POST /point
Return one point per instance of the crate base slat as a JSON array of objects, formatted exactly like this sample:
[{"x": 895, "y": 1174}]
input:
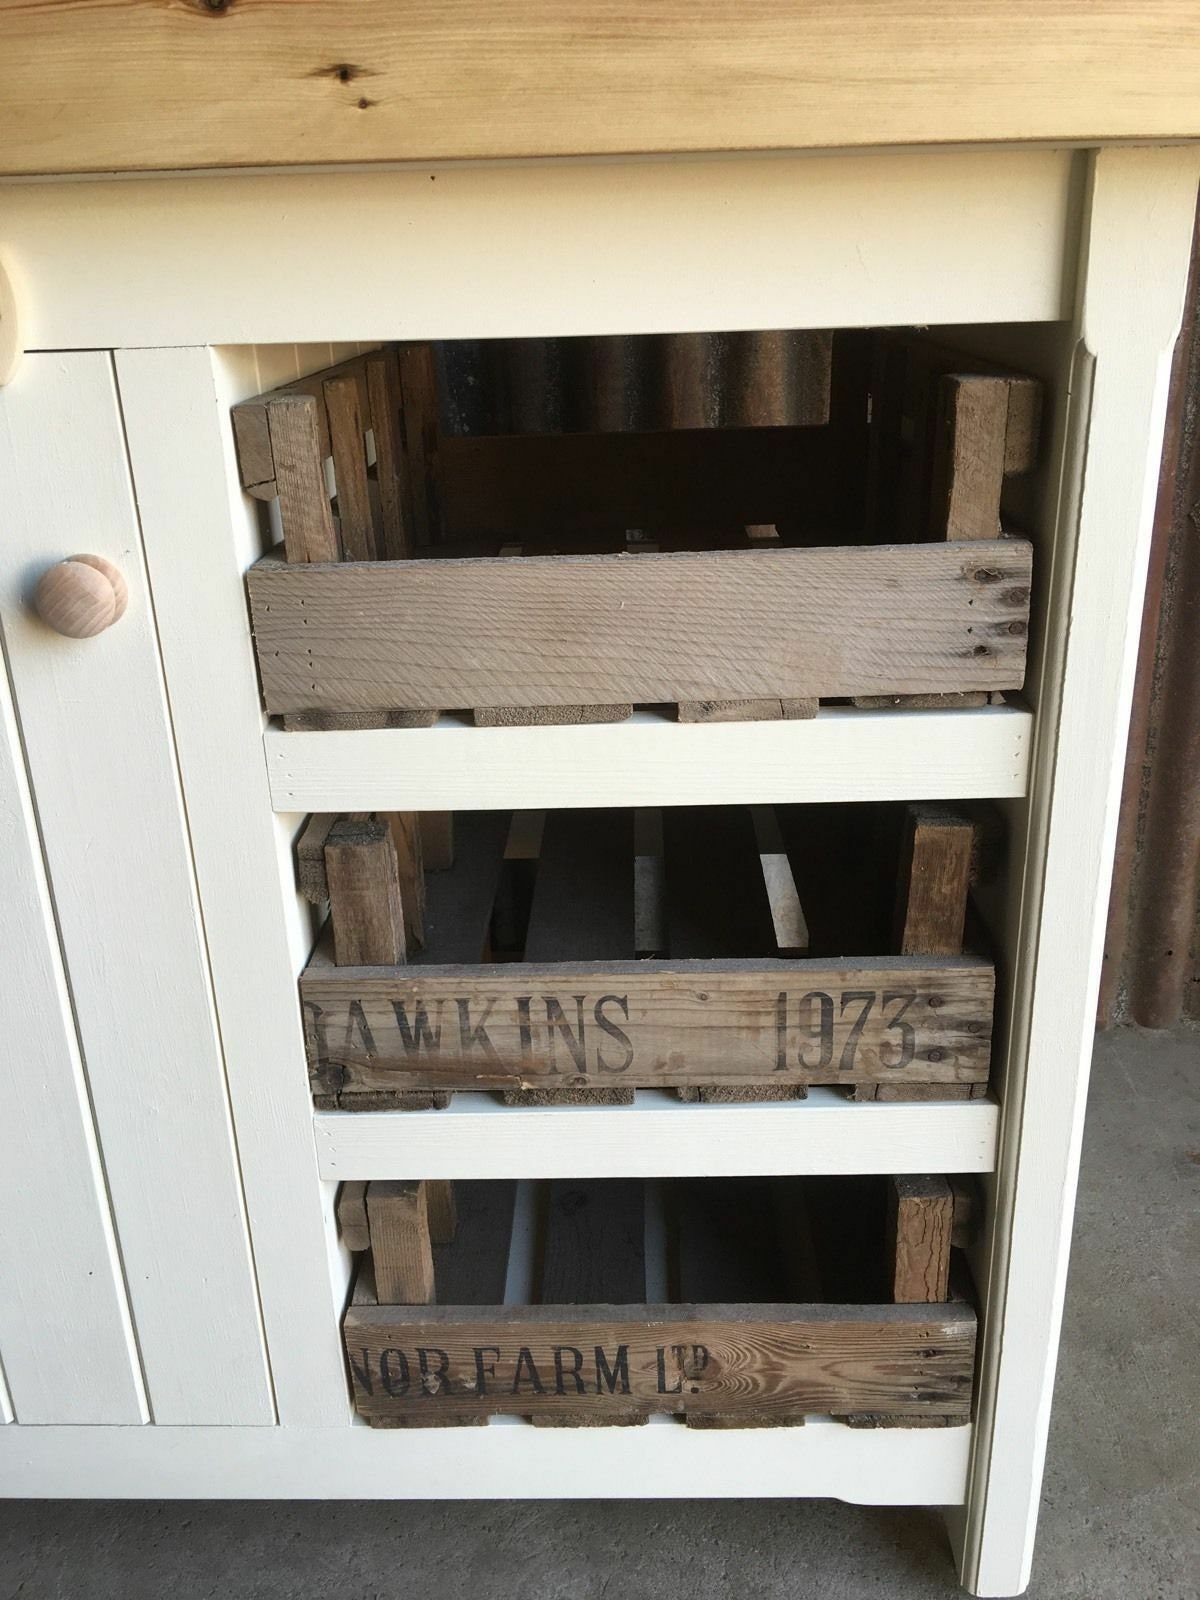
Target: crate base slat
[{"x": 707, "y": 1095}]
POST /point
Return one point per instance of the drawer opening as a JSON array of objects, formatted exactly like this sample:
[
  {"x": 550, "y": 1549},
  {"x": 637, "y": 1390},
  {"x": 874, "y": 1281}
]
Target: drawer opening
[
  {"x": 721, "y": 1302},
  {"x": 735, "y": 525},
  {"x": 726, "y": 953}
]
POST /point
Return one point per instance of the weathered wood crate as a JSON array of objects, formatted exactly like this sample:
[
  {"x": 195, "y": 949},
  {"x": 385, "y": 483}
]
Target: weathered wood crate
[
  {"x": 738, "y": 1302},
  {"x": 728, "y": 572},
  {"x": 724, "y": 953}
]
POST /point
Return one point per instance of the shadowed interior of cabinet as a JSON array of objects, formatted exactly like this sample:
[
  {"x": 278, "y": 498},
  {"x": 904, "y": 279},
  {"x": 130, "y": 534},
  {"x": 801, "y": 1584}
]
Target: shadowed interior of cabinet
[
  {"x": 684, "y": 882},
  {"x": 630, "y": 1241}
]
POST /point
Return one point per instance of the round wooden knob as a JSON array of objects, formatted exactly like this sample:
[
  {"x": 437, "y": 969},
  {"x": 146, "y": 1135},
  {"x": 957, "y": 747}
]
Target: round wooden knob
[{"x": 81, "y": 596}]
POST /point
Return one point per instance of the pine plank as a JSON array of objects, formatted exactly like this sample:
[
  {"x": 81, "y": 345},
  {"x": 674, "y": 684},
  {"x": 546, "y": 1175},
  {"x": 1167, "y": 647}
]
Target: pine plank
[{"x": 173, "y": 88}]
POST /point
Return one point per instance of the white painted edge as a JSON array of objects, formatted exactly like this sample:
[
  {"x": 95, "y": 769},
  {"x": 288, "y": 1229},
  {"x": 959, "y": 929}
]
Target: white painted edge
[
  {"x": 11, "y": 348},
  {"x": 1138, "y": 230},
  {"x": 565, "y": 248},
  {"x": 658, "y": 1136},
  {"x": 651, "y": 760},
  {"x": 664, "y": 1460}
]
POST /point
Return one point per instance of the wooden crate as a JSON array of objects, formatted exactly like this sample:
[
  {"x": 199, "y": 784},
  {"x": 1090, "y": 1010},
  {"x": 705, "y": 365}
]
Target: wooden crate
[
  {"x": 723, "y": 953},
  {"x": 736, "y": 1302},
  {"x": 744, "y": 572}
]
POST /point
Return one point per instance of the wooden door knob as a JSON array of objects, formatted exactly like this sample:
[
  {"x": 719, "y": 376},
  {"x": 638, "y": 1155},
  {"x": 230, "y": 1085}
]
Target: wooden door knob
[{"x": 81, "y": 596}]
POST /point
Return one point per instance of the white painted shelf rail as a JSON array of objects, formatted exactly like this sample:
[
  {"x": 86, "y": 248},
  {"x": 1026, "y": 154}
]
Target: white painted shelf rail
[
  {"x": 651, "y": 760},
  {"x": 658, "y": 1136},
  {"x": 871, "y": 1466}
]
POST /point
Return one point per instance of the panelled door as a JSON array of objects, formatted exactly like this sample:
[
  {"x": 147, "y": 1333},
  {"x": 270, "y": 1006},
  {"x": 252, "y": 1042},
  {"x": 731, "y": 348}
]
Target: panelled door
[{"x": 129, "y": 1292}]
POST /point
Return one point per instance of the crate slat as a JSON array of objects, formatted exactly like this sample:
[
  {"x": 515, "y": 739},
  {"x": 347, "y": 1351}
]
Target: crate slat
[
  {"x": 722, "y": 625},
  {"x": 660, "y": 1024},
  {"x": 344, "y": 398},
  {"x": 305, "y": 514},
  {"x": 383, "y": 392},
  {"x": 756, "y": 1360}
]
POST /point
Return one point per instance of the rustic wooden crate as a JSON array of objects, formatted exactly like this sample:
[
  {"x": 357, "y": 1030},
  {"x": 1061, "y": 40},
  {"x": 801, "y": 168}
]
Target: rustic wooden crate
[
  {"x": 656, "y": 950},
  {"x": 775, "y": 566},
  {"x": 736, "y": 1302}
]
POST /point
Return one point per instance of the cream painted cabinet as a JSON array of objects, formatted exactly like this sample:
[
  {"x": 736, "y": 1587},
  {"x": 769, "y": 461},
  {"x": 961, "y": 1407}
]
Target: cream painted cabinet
[{"x": 172, "y": 1277}]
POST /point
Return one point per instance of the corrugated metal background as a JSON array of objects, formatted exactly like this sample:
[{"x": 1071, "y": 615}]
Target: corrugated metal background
[
  {"x": 1152, "y": 952},
  {"x": 637, "y": 383}
]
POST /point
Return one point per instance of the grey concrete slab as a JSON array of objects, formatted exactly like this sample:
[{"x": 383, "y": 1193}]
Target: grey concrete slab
[{"x": 1121, "y": 1518}]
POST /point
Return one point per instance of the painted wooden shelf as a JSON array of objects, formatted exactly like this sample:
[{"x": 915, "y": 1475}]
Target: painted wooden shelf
[
  {"x": 868, "y": 1466},
  {"x": 650, "y": 760},
  {"x": 658, "y": 1136}
]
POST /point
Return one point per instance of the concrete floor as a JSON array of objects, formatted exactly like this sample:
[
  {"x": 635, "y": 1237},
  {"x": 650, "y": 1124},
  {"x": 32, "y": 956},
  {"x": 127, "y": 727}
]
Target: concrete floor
[{"x": 1121, "y": 1512}]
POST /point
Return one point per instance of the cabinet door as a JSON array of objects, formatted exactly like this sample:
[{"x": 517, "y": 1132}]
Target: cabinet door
[
  {"x": 66, "y": 1341},
  {"x": 96, "y": 732}
]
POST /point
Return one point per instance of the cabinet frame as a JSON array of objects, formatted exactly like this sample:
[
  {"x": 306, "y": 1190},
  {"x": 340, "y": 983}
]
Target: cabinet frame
[{"x": 949, "y": 238}]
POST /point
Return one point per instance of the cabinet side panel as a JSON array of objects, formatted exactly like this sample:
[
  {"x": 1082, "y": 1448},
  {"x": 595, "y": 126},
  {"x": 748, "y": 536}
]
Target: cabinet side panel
[{"x": 1137, "y": 235}]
